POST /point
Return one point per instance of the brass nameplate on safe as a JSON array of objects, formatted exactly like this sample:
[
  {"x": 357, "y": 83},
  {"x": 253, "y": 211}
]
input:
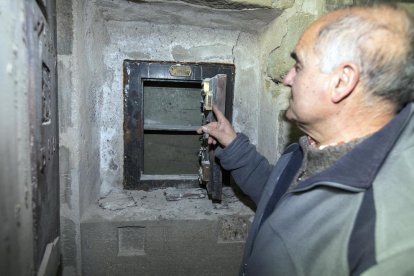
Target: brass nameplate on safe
[{"x": 180, "y": 70}]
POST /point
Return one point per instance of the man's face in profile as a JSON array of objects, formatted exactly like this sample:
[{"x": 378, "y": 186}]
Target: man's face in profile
[{"x": 310, "y": 99}]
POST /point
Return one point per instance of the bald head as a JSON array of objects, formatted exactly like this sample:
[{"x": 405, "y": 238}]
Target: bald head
[{"x": 378, "y": 40}]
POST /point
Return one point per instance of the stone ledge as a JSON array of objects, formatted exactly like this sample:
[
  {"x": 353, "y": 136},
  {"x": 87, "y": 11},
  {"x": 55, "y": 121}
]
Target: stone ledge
[
  {"x": 130, "y": 205},
  {"x": 143, "y": 233}
]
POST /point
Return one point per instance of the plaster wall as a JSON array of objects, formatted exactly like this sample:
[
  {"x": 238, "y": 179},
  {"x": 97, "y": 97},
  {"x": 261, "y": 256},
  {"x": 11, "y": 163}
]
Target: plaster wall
[
  {"x": 79, "y": 133},
  {"x": 16, "y": 231},
  {"x": 136, "y": 40},
  {"x": 107, "y": 32}
]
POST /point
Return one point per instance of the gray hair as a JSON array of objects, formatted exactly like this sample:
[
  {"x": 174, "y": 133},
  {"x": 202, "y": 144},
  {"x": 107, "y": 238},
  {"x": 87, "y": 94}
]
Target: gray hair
[{"x": 386, "y": 71}]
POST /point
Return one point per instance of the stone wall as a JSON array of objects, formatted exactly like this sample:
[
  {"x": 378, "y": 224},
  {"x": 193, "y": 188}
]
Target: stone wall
[{"x": 276, "y": 42}]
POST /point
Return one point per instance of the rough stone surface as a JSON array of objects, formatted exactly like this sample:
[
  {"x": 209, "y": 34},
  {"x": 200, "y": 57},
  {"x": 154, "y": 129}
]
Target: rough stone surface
[
  {"x": 283, "y": 4},
  {"x": 68, "y": 240},
  {"x": 335, "y": 4},
  {"x": 65, "y": 26},
  {"x": 408, "y": 7},
  {"x": 170, "y": 247},
  {"x": 277, "y": 42},
  {"x": 223, "y": 4},
  {"x": 138, "y": 232},
  {"x": 279, "y": 60},
  {"x": 130, "y": 205},
  {"x": 65, "y": 99},
  {"x": 65, "y": 177},
  {"x": 251, "y": 20}
]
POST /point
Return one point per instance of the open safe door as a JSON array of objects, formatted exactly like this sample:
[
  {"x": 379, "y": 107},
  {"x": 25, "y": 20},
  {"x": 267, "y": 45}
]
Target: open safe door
[
  {"x": 213, "y": 93},
  {"x": 161, "y": 117}
]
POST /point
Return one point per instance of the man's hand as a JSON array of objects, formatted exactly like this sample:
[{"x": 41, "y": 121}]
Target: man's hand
[{"x": 221, "y": 132}]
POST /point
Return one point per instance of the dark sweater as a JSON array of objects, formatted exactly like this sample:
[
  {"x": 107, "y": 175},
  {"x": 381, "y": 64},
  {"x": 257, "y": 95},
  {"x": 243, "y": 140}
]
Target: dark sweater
[{"x": 316, "y": 160}]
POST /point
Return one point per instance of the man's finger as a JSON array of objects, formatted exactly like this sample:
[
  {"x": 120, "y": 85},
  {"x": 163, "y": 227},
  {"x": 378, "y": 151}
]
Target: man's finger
[
  {"x": 218, "y": 113},
  {"x": 209, "y": 128},
  {"x": 204, "y": 129}
]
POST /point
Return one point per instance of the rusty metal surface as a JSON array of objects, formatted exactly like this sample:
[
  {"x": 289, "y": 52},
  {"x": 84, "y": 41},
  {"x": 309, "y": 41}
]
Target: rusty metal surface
[
  {"x": 135, "y": 74},
  {"x": 210, "y": 173}
]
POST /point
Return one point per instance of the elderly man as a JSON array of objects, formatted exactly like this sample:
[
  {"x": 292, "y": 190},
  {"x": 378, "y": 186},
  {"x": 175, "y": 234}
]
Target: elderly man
[{"x": 341, "y": 201}]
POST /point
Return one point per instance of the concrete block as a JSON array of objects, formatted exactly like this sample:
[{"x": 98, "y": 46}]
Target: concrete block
[
  {"x": 161, "y": 237},
  {"x": 65, "y": 88},
  {"x": 172, "y": 247},
  {"x": 65, "y": 177},
  {"x": 131, "y": 241},
  {"x": 68, "y": 242},
  {"x": 64, "y": 20}
]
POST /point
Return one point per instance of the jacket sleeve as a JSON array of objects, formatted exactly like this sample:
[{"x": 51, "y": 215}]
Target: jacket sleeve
[
  {"x": 397, "y": 264},
  {"x": 249, "y": 169}
]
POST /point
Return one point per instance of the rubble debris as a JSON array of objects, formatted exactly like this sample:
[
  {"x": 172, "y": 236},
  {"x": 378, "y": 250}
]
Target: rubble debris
[
  {"x": 174, "y": 194},
  {"x": 116, "y": 200},
  {"x": 221, "y": 206}
]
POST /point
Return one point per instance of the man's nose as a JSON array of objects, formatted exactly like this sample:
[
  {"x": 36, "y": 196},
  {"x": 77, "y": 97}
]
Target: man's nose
[{"x": 288, "y": 79}]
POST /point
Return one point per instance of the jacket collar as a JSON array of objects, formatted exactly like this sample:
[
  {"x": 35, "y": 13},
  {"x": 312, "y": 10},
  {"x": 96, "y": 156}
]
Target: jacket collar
[{"x": 356, "y": 170}]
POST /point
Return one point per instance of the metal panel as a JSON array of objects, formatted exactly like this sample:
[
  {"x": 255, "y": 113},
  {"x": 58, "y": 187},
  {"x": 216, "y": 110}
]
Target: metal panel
[
  {"x": 136, "y": 73},
  {"x": 170, "y": 153},
  {"x": 177, "y": 106},
  {"x": 214, "y": 92},
  {"x": 43, "y": 125}
]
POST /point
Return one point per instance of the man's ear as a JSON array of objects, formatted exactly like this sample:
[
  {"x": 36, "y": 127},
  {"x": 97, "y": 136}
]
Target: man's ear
[{"x": 344, "y": 82}]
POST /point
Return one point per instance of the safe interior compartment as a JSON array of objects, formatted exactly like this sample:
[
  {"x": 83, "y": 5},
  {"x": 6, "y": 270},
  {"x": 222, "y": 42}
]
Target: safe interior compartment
[{"x": 161, "y": 115}]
